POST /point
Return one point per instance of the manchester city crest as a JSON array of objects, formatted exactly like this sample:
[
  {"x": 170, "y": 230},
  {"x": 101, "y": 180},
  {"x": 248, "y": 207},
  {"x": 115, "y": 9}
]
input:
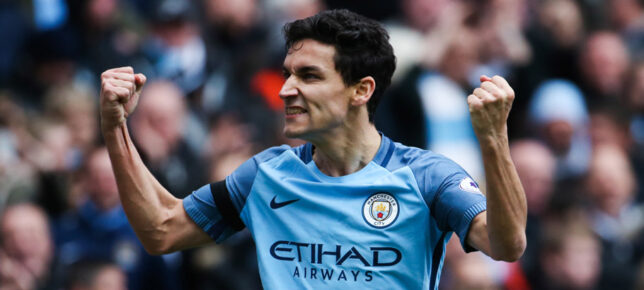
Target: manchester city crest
[{"x": 380, "y": 210}]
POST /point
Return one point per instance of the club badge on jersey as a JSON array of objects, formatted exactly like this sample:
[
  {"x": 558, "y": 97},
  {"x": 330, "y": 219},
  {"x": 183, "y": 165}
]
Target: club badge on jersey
[{"x": 380, "y": 210}]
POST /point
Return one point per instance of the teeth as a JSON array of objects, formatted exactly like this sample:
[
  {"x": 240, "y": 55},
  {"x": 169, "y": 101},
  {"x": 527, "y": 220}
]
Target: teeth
[{"x": 292, "y": 110}]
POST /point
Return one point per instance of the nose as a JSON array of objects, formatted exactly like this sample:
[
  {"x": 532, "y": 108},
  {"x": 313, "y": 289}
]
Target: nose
[{"x": 288, "y": 89}]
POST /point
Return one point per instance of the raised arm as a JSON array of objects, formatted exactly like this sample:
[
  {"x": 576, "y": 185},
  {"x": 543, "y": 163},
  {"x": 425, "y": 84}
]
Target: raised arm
[
  {"x": 500, "y": 231},
  {"x": 158, "y": 218}
]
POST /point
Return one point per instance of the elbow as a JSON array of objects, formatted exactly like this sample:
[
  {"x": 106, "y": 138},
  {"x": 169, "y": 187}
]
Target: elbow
[
  {"x": 510, "y": 256},
  {"x": 158, "y": 247},
  {"x": 156, "y": 250},
  {"x": 157, "y": 241},
  {"x": 512, "y": 251},
  {"x": 159, "y": 234},
  {"x": 153, "y": 251}
]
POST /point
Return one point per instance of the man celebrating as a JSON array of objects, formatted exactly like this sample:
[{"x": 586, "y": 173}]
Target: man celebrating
[{"x": 351, "y": 208}]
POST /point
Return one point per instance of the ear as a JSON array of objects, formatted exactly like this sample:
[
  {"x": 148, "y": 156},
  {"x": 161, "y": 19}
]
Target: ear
[{"x": 363, "y": 91}]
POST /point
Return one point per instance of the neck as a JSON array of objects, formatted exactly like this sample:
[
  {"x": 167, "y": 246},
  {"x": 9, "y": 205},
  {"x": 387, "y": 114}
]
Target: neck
[{"x": 346, "y": 150}]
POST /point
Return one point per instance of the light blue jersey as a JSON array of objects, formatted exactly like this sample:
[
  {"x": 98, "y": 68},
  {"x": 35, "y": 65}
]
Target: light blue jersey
[{"x": 384, "y": 226}]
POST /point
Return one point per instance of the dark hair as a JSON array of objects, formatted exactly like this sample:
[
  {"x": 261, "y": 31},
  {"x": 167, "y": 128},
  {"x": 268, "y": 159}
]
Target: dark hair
[{"x": 361, "y": 44}]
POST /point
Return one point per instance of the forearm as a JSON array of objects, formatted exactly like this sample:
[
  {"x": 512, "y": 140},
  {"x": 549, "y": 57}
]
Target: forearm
[
  {"x": 146, "y": 203},
  {"x": 506, "y": 202}
]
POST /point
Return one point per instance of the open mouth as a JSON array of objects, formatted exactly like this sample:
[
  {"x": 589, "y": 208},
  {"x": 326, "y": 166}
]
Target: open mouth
[{"x": 291, "y": 111}]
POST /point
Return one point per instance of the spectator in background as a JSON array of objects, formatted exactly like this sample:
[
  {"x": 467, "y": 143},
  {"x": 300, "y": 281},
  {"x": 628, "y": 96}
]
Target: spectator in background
[
  {"x": 162, "y": 138},
  {"x": 424, "y": 109},
  {"x": 279, "y": 12},
  {"x": 635, "y": 105},
  {"x": 231, "y": 19},
  {"x": 175, "y": 49},
  {"x": 477, "y": 271},
  {"x": 627, "y": 17},
  {"x": 75, "y": 106},
  {"x": 428, "y": 108},
  {"x": 27, "y": 256},
  {"x": 14, "y": 39},
  {"x": 614, "y": 216},
  {"x": 52, "y": 61},
  {"x": 470, "y": 271},
  {"x": 49, "y": 147},
  {"x": 604, "y": 64},
  {"x": 443, "y": 96},
  {"x": 17, "y": 178},
  {"x": 228, "y": 135},
  {"x": 626, "y": 14},
  {"x": 229, "y": 265},
  {"x": 611, "y": 186},
  {"x": 634, "y": 100},
  {"x": 570, "y": 256},
  {"x": 423, "y": 24},
  {"x": 241, "y": 46},
  {"x": 558, "y": 110},
  {"x": 99, "y": 230},
  {"x": 95, "y": 275},
  {"x": 51, "y": 152},
  {"x": 612, "y": 125},
  {"x": 233, "y": 263},
  {"x": 503, "y": 46},
  {"x": 109, "y": 32},
  {"x": 609, "y": 124},
  {"x": 535, "y": 165},
  {"x": 554, "y": 37}
]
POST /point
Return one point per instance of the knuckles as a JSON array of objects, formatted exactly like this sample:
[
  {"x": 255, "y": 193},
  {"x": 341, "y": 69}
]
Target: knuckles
[
  {"x": 117, "y": 85},
  {"x": 474, "y": 103},
  {"x": 480, "y": 92}
]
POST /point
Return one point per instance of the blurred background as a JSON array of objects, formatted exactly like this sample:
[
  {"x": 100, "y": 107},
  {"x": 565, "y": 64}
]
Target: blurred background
[{"x": 214, "y": 71}]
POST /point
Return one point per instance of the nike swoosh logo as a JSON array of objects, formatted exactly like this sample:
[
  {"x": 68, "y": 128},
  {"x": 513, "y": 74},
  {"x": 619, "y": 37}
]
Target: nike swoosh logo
[{"x": 276, "y": 205}]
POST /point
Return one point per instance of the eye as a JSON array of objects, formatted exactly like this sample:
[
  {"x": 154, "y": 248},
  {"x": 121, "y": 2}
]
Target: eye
[
  {"x": 310, "y": 76},
  {"x": 286, "y": 74}
]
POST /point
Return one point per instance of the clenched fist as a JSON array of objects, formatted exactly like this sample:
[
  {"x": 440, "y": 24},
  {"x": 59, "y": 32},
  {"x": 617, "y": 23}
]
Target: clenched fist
[
  {"x": 120, "y": 90},
  {"x": 490, "y": 105}
]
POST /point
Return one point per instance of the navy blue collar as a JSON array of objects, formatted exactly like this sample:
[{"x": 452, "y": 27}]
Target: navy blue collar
[{"x": 382, "y": 157}]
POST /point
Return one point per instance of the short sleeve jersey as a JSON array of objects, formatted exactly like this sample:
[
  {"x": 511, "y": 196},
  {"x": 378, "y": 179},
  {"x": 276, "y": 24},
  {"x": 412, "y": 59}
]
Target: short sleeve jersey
[{"x": 384, "y": 226}]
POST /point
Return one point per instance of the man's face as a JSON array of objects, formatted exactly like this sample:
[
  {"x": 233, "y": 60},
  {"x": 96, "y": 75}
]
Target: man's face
[
  {"x": 26, "y": 237},
  {"x": 316, "y": 100},
  {"x": 101, "y": 182}
]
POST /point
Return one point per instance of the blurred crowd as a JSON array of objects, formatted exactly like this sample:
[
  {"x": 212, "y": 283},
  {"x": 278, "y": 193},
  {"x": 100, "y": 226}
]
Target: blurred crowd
[{"x": 214, "y": 71}]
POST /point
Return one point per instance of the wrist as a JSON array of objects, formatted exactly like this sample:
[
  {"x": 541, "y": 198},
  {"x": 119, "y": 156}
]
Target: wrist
[
  {"x": 490, "y": 133},
  {"x": 109, "y": 124},
  {"x": 493, "y": 142},
  {"x": 111, "y": 128}
]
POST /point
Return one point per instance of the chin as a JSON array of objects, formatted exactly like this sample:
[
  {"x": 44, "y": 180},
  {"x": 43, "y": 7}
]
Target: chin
[{"x": 294, "y": 133}]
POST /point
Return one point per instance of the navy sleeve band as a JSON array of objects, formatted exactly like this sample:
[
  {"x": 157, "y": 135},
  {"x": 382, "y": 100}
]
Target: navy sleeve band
[{"x": 224, "y": 204}]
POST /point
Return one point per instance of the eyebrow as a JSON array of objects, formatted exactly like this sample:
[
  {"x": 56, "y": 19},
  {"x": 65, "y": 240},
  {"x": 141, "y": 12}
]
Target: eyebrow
[{"x": 305, "y": 69}]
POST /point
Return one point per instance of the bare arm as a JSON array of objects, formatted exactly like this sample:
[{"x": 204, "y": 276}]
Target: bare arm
[
  {"x": 500, "y": 231},
  {"x": 158, "y": 218}
]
